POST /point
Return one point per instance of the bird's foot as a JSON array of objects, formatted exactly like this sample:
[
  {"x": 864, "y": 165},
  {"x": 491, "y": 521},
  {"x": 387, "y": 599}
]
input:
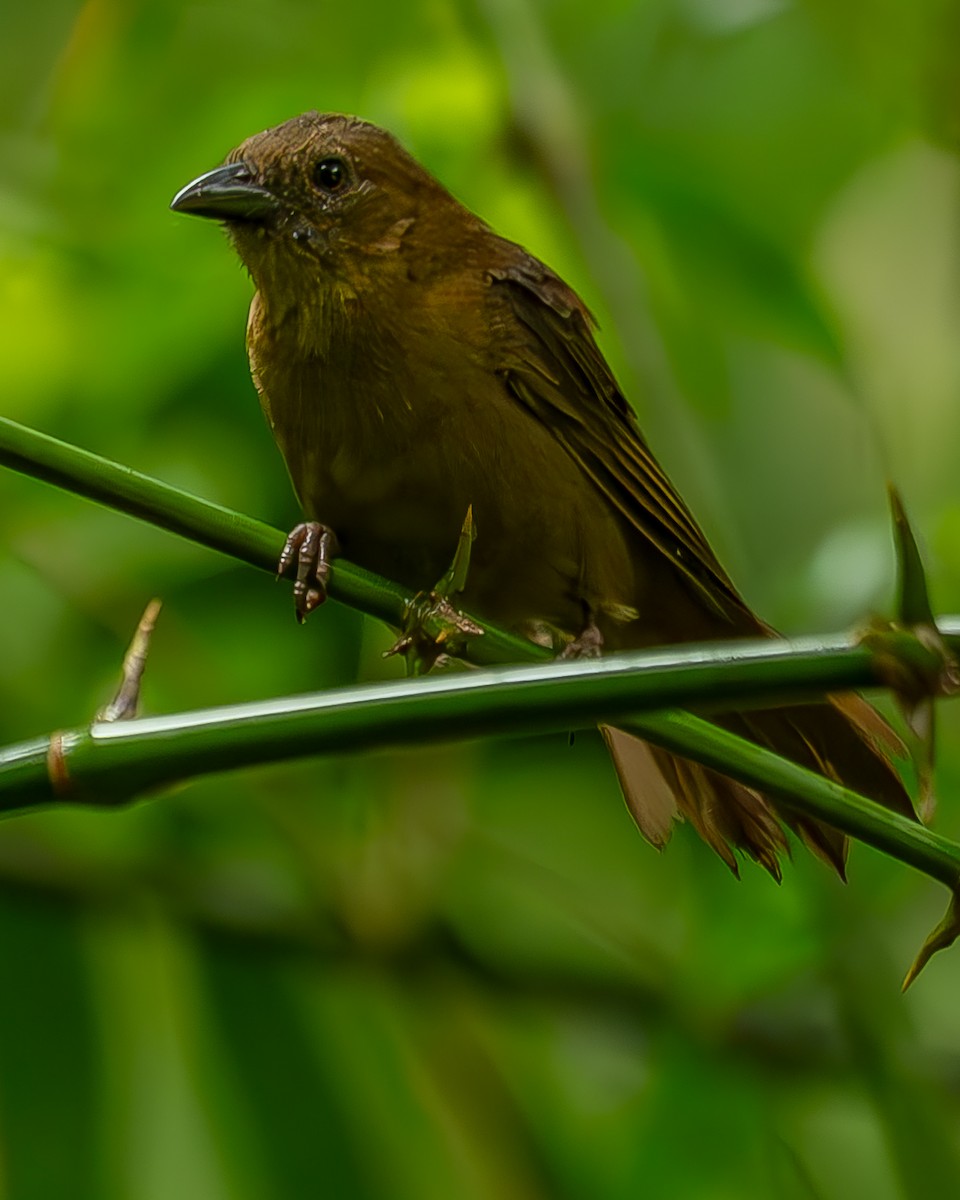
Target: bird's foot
[
  {"x": 587, "y": 644},
  {"x": 433, "y": 627},
  {"x": 310, "y": 547}
]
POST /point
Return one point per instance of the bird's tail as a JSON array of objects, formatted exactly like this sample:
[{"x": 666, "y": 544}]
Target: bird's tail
[{"x": 844, "y": 739}]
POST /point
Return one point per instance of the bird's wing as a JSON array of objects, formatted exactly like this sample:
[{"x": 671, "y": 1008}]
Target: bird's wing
[{"x": 558, "y": 373}]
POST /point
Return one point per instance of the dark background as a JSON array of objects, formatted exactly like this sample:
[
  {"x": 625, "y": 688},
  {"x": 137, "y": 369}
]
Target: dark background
[{"x": 461, "y": 972}]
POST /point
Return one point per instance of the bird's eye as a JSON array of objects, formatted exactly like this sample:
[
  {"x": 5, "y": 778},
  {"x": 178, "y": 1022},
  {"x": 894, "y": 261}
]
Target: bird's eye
[{"x": 330, "y": 174}]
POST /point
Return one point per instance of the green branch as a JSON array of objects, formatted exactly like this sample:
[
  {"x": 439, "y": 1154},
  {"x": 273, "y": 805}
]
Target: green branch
[
  {"x": 111, "y": 763},
  {"x": 125, "y": 490}
]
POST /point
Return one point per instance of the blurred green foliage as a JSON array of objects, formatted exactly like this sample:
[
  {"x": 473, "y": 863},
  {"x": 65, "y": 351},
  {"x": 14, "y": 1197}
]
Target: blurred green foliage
[{"x": 460, "y": 973}]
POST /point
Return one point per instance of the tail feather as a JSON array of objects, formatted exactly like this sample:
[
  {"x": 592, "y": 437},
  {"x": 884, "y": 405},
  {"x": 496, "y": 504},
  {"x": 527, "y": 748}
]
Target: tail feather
[
  {"x": 845, "y": 740},
  {"x": 659, "y": 788}
]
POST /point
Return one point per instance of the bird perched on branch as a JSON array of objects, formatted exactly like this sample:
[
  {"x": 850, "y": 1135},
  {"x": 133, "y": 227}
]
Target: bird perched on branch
[{"x": 412, "y": 363}]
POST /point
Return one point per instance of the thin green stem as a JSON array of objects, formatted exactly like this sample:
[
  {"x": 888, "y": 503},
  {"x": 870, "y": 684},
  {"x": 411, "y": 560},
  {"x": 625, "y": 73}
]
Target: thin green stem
[
  {"x": 111, "y": 763},
  {"x": 125, "y": 490},
  {"x": 128, "y": 491}
]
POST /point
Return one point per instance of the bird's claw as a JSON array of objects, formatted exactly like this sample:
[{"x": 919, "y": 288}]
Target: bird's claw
[
  {"x": 310, "y": 547},
  {"x": 587, "y": 644}
]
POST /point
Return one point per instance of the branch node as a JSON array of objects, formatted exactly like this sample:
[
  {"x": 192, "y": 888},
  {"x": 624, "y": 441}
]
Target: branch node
[{"x": 57, "y": 772}]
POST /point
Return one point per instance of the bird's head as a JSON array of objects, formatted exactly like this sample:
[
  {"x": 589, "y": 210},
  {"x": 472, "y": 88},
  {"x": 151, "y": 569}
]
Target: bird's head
[{"x": 319, "y": 197}]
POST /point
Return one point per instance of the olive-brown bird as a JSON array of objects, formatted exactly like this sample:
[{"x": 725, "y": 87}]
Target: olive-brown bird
[{"x": 412, "y": 363}]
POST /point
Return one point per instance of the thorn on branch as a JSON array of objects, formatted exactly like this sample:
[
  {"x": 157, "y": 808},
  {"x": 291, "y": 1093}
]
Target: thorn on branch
[
  {"x": 944, "y": 935},
  {"x": 910, "y": 655},
  {"x": 126, "y": 702},
  {"x": 433, "y": 626}
]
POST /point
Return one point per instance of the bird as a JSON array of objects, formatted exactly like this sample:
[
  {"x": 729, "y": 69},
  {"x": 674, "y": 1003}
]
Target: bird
[{"x": 413, "y": 364}]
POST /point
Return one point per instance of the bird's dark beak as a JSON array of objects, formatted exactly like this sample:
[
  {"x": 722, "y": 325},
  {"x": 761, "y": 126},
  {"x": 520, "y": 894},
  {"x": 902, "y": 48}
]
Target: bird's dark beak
[{"x": 226, "y": 194}]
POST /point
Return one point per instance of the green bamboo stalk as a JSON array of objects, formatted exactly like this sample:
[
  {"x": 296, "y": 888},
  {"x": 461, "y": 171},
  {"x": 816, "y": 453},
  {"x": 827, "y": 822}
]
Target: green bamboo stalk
[
  {"x": 146, "y": 752},
  {"x": 125, "y": 490},
  {"x": 110, "y": 763}
]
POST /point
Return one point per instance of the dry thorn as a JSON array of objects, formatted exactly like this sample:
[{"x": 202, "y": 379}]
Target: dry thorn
[{"x": 125, "y": 703}]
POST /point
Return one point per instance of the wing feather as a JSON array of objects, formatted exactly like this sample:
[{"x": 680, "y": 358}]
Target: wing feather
[{"x": 559, "y": 375}]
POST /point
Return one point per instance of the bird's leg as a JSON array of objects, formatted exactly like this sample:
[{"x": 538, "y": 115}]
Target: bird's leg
[
  {"x": 310, "y": 546},
  {"x": 589, "y": 641}
]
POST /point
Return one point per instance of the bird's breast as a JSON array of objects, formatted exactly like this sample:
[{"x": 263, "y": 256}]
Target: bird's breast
[{"x": 390, "y": 442}]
